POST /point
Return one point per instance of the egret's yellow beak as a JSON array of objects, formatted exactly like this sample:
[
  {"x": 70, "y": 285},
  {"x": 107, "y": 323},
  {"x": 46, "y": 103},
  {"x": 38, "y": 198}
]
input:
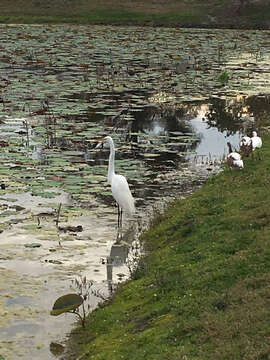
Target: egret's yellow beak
[{"x": 100, "y": 143}]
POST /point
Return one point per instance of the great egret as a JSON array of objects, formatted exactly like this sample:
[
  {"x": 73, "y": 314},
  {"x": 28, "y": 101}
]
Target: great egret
[
  {"x": 234, "y": 158},
  {"x": 119, "y": 186}
]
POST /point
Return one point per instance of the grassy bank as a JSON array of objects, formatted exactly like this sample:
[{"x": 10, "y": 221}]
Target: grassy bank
[
  {"x": 203, "y": 290},
  {"x": 208, "y": 13}
]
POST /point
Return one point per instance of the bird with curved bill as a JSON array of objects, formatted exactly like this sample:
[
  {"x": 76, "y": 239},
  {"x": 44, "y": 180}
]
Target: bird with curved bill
[
  {"x": 234, "y": 158},
  {"x": 250, "y": 145}
]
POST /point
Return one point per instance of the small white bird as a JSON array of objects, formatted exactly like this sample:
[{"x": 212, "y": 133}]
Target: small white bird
[
  {"x": 234, "y": 158},
  {"x": 256, "y": 141},
  {"x": 233, "y": 154},
  {"x": 238, "y": 164},
  {"x": 119, "y": 186}
]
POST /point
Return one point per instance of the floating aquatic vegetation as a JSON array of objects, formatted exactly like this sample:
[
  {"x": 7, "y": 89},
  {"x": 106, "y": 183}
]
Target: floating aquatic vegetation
[{"x": 32, "y": 245}]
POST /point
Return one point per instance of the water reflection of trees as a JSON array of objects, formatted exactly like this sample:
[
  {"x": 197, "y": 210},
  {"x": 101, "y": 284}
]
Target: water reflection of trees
[
  {"x": 160, "y": 135},
  {"x": 226, "y": 116},
  {"x": 160, "y": 121},
  {"x": 164, "y": 125},
  {"x": 240, "y": 113},
  {"x": 259, "y": 108}
]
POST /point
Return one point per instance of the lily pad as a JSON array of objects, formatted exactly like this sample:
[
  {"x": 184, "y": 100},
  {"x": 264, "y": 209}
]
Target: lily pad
[
  {"x": 66, "y": 303},
  {"x": 32, "y": 245}
]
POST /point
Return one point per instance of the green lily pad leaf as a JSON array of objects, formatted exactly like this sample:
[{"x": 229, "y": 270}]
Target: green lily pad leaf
[
  {"x": 32, "y": 245},
  {"x": 8, "y": 213},
  {"x": 46, "y": 195},
  {"x": 73, "y": 188},
  {"x": 66, "y": 303},
  {"x": 8, "y": 200},
  {"x": 70, "y": 168}
]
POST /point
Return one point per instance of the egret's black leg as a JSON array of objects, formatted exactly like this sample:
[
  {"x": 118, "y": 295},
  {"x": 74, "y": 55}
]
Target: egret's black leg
[
  {"x": 119, "y": 230},
  {"x": 121, "y": 217},
  {"x": 118, "y": 212}
]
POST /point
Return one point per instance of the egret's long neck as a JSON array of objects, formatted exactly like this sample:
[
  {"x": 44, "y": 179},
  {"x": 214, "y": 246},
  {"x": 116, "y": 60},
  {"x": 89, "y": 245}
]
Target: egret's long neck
[{"x": 111, "y": 163}]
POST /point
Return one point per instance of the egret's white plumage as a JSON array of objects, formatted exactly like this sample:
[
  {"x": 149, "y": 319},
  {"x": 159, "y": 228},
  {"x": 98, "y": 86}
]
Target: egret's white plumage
[
  {"x": 119, "y": 186},
  {"x": 122, "y": 194}
]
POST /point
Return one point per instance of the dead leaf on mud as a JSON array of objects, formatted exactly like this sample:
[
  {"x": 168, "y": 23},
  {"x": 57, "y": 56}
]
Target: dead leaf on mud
[{"x": 70, "y": 228}]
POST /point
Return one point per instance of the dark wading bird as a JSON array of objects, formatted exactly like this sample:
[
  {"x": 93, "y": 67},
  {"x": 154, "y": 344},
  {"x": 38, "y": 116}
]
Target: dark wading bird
[{"x": 119, "y": 186}]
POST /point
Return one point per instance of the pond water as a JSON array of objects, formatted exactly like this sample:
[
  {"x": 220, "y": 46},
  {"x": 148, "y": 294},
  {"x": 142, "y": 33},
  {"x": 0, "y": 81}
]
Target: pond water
[
  {"x": 177, "y": 150},
  {"x": 170, "y": 136}
]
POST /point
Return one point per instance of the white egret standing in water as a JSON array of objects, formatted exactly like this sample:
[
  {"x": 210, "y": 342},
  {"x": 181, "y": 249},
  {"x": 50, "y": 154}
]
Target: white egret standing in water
[{"x": 119, "y": 186}]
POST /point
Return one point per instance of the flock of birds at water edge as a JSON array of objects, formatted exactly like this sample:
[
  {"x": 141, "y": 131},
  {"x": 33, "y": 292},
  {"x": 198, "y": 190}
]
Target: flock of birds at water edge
[
  {"x": 120, "y": 188},
  {"x": 248, "y": 145}
]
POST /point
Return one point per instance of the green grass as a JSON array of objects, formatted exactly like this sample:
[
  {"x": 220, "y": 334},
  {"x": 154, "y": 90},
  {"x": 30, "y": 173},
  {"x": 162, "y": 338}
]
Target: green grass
[
  {"x": 208, "y": 13},
  {"x": 260, "y": 14},
  {"x": 203, "y": 289},
  {"x": 108, "y": 16}
]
